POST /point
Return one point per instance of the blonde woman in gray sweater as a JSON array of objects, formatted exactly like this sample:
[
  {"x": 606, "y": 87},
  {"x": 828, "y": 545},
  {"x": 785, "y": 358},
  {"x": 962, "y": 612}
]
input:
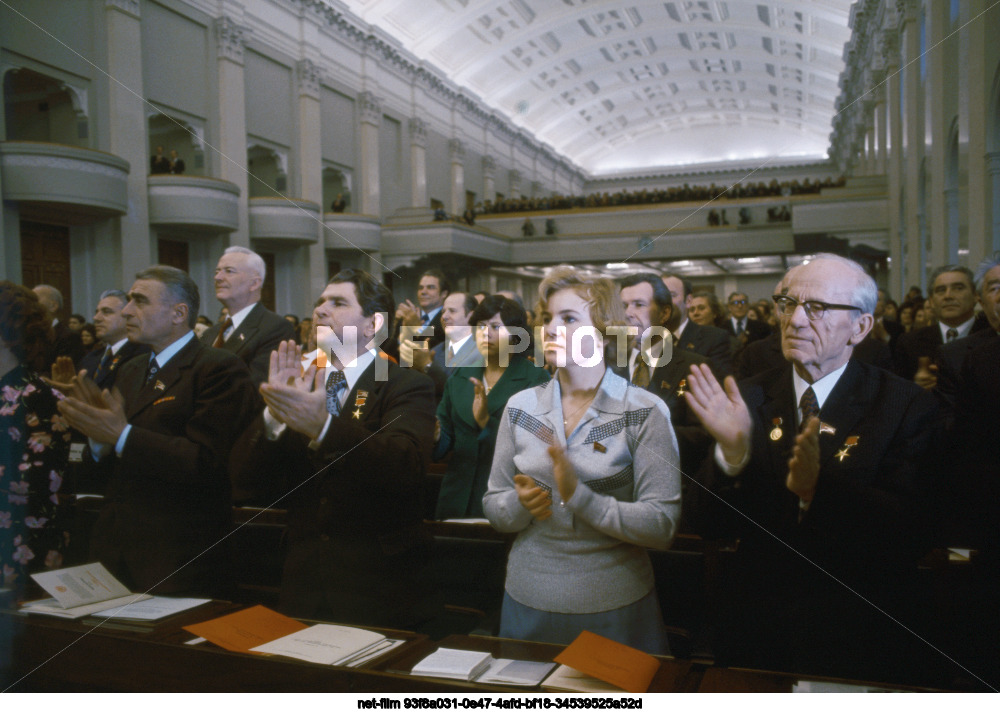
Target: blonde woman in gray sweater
[{"x": 586, "y": 472}]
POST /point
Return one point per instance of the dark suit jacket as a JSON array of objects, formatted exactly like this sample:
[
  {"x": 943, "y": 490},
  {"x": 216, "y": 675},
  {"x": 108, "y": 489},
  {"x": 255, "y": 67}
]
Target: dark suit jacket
[
  {"x": 755, "y": 329},
  {"x": 711, "y": 342},
  {"x": 669, "y": 382},
  {"x": 89, "y": 476},
  {"x": 468, "y": 473},
  {"x": 106, "y": 379},
  {"x": 866, "y": 525},
  {"x": 169, "y": 498},
  {"x": 391, "y": 345},
  {"x": 65, "y": 342},
  {"x": 923, "y": 342},
  {"x": 355, "y": 540},
  {"x": 950, "y": 359},
  {"x": 254, "y": 340}
]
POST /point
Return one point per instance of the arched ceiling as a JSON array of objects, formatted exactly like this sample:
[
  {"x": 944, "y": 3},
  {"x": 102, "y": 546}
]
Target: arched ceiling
[{"x": 627, "y": 86}]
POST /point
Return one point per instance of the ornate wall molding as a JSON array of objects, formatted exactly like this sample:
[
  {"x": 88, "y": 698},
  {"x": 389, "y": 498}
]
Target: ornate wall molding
[
  {"x": 456, "y": 151},
  {"x": 418, "y": 132},
  {"x": 309, "y": 75},
  {"x": 230, "y": 39},
  {"x": 370, "y": 108},
  {"x": 489, "y": 167}
]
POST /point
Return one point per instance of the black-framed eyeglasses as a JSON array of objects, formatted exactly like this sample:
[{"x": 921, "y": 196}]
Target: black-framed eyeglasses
[{"x": 785, "y": 306}]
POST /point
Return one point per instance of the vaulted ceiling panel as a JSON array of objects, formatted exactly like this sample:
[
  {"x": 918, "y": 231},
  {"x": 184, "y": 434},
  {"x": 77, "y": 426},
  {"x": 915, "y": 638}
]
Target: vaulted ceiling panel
[{"x": 662, "y": 82}]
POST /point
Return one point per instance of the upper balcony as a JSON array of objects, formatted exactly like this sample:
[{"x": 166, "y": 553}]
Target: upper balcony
[
  {"x": 83, "y": 185},
  {"x": 292, "y": 221},
  {"x": 348, "y": 231},
  {"x": 193, "y": 203}
]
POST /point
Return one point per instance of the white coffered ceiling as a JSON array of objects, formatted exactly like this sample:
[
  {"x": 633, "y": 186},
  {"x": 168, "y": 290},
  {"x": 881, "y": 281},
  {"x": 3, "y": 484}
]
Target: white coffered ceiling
[{"x": 624, "y": 86}]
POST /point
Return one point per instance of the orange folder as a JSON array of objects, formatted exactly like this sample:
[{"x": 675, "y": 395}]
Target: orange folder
[
  {"x": 245, "y": 629},
  {"x": 620, "y": 665}
]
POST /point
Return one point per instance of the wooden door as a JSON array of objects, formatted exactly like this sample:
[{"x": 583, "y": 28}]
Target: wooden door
[
  {"x": 173, "y": 253},
  {"x": 45, "y": 259}
]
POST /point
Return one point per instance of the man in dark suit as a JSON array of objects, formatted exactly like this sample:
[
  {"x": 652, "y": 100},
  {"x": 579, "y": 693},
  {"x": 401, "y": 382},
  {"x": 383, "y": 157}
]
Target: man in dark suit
[
  {"x": 109, "y": 325},
  {"x": 169, "y": 424},
  {"x": 657, "y": 366},
  {"x": 710, "y": 342},
  {"x": 830, "y": 520},
  {"x": 349, "y": 459},
  {"x": 251, "y": 331},
  {"x": 457, "y": 350},
  {"x": 421, "y": 323},
  {"x": 953, "y": 298},
  {"x": 65, "y": 342},
  {"x": 951, "y": 357},
  {"x": 746, "y": 330}
]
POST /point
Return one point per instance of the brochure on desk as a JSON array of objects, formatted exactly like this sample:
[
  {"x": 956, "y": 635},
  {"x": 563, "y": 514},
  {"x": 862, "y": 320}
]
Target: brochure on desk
[{"x": 80, "y": 591}]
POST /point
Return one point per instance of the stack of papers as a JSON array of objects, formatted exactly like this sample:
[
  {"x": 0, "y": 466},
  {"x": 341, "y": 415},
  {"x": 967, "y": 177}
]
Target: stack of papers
[
  {"x": 80, "y": 591},
  {"x": 454, "y": 663},
  {"x": 591, "y": 656},
  {"x": 511, "y": 672},
  {"x": 329, "y": 644}
]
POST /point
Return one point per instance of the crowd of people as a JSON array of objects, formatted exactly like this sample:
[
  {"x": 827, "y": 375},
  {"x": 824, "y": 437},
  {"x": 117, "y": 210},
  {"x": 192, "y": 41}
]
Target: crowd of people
[
  {"x": 674, "y": 194},
  {"x": 834, "y": 439}
]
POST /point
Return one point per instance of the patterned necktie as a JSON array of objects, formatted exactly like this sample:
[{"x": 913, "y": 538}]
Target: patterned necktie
[
  {"x": 151, "y": 371},
  {"x": 220, "y": 339},
  {"x": 102, "y": 368},
  {"x": 640, "y": 377},
  {"x": 951, "y": 335},
  {"x": 739, "y": 327},
  {"x": 335, "y": 383},
  {"x": 809, "y": 406}
]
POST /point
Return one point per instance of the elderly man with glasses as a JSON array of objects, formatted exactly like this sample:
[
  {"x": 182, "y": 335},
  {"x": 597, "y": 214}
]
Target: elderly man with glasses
[{"x": 823, "y": 463}]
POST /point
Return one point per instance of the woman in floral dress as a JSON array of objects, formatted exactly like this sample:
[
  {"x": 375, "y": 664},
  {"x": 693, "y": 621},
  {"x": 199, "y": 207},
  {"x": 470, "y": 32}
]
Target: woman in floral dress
[{"x": 34, "y": 444}]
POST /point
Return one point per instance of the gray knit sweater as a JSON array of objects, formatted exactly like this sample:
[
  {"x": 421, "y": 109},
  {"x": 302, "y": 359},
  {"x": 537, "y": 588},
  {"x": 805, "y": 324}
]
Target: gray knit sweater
[{"x": 590, "y": 555}]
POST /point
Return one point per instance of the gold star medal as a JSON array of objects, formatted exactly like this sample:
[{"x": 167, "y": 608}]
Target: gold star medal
[
  {"x": 359, "y": 400},
  {"x": 776, "y": 431},
  {"x": 846, "y": 450},
  {"x": 681, "y": 386}
]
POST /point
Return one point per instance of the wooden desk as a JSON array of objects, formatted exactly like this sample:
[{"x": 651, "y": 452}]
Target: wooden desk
[{"x": 738, "y": 680}]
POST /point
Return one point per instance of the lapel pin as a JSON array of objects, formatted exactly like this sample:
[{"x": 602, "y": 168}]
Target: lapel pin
[
  {"x": 599, "y": 448},
  {"x": 827, "y": 428},
  {"x": 776, "y": 431},
  {"x": 241, "y": 336},
  {"x": 681, "y": 386},
  {"x": 846, "y": 450},
  {"x": 665, "y": 386},
  {"x": 160, "y": 386}
]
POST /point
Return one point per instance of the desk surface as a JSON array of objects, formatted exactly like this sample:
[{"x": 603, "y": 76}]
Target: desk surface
[{"x": 60, "y": 655}]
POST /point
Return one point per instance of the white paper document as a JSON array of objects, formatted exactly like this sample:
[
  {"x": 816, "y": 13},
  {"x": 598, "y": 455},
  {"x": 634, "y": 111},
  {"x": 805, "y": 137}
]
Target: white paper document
[
  {"x": 151, "y": 609},
  {"x": 51, "y": 607},
  {"x": 512, "y": 672},
  {"x": 77, "y": 586},
  {"x": 324, "y": 644},
  {"x": 453, "y": 663}
]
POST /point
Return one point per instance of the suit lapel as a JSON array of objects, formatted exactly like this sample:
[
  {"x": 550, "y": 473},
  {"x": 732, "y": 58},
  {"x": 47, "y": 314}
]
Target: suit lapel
[
  {"x": 163, "y": 381},
  {"x": 246, "y": 331},
  {"x": 364, "y": 392},
  {"x": 778, "y": 414},
  {"x": 843, "y": 408}
]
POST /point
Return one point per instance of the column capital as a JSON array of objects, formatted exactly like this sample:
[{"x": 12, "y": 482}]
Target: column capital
[
  {"x": 370, "y": 107},
  {"x": 456, "y": 151},
  {"x": 418, "y": 132},
  {"x": 129, "y": 7},
  {"x": 309, "y": 75},
  {"x": 515, "y": 182},
  {"x": 906, "y": 10},
  {"x": 230, "y": 39},
  {"x": 889, "y": 46},
  {"x": 489, "y": 167}
]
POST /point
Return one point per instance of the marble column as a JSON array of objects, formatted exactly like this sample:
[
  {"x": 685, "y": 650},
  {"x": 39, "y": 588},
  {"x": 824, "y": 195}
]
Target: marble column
[
  {"x": 881, "y": 131},
  {"x": 979, "y": 204},
  {"x": 370, "y": 119},
  {"x": 456, "y": 158},
  {"x": 894, "y": 165},
  {"x": 515, "y": 183},
  {"x": 939, "y": 113},
  {"x": 913, "y": 121},
  {"x": 993, "y": 168},
  {"x": 130, "y": 237},
  {"x": 308, "y": 159},
  {"x": 418, "y": 163},
  {"x": 231, "y": 134},
  {"x": 489, "y": 178}
]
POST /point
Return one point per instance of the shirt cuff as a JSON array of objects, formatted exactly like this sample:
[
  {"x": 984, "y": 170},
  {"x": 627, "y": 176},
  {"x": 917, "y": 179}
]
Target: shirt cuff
[
  {"x": 322, "y": 434},
  {"x": 120, "y": 445},
  {"x": 273, "y": 428},
  {"x": 728, "y": 468}
]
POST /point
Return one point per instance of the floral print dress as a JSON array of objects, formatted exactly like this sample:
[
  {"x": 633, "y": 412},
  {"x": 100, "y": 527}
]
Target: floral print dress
[{"x": 34, "y": 447}]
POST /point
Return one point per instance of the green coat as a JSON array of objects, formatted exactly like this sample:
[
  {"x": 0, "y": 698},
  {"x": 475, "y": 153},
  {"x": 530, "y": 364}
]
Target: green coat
[{"x": 464, "y": 483}]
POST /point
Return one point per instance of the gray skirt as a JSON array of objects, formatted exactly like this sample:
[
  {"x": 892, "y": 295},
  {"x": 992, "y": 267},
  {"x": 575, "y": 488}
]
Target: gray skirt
[{"x": 639, "y": 624}]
